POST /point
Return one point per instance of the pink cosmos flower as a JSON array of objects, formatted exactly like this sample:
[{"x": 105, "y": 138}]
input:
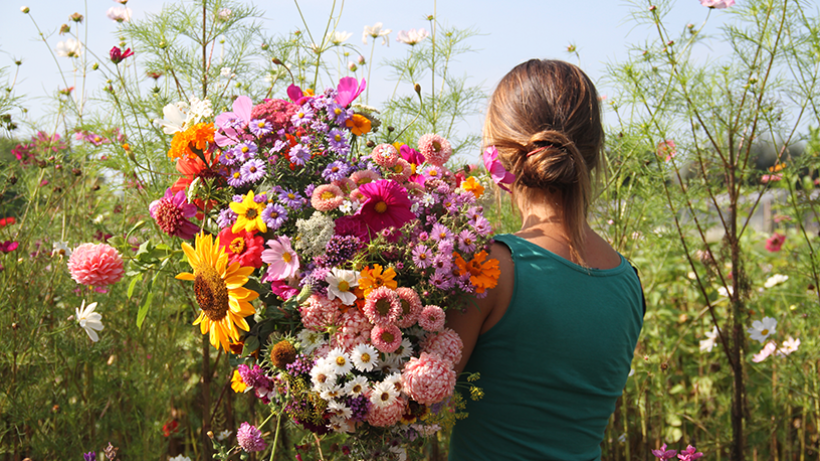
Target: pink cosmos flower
[
  {"x": 767, "y": 178},
  {"x": 348, "y": 90},
  {"x": 764, "y": 353},
  {"x": 410, "y": 306},
  {"x": 775, "y": 242},
  {"x": 382, "y": 306},
  {"x": 386, "y": 338},
  {"x": 719, "y": 4},
  {"x": 250, "y": 438},
  {"x": 667, "y": 149},
  {"x": 352, "y": 225},
  {"x": 497, "y": 171},
  {"x": 446, "y": 344},
  {"x": 690, "y": 453},
  {"x": 282, "y": 289},
  {"x": 284, "y": 262},
  {"x": 435, "y": 149},
  {"x": 432, "y": 318},
  {"x": 386, "y": 205},
  {"x": 95, "y": 265},
  {"x": 8, "y": 246},
  {"x": 296, "y": 95},
  {"x": 327, "y": 197},
  {"x": 229, "y": 122},
  {"x": 171, "y": 213},
  {"x": 428, "y": 379},
  {"x": 663, "y": 453},
  {"x": 117, "y": 55}
]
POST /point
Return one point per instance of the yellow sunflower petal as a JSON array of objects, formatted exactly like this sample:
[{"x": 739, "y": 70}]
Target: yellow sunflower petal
[
  {"x": 193, "y": 258},
  {"x": 185, "y": 276}
]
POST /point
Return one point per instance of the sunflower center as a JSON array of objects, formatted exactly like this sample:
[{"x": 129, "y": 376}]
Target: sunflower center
[
  {"x": 381, "y": 207},
  {"x": 237, "y": 245},
  {"x": 344, "y": 286},
  {"x": 365, "y": 357},
  {"x": 211, "y": 293},
  {"x": 383, "y": 306},
  {"x": 287, "y": 257}
]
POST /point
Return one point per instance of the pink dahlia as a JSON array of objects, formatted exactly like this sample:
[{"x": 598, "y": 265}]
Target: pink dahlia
[
  {"x": 242, "y": 247},
  {"x": 96, "y": 265},
  {"x": 171, "y": 213},
  {"x": 387, "y": 415},
  {"x": 250, "y": 438},
  {"x": 386, "y": 205},
  {"x": 327, "y": 197},
  {"x": 432, "y": 318},
  {"x": 447, "y": 344},
  {"x": 382, "y": 306},
  {"x": 386, "y": 338},
  {"x": 410, "y": 307},
  {"x": 428, "y": 379},
  {"x": 435, "y": 149},
  {"x": 320, "y": 312},
  {"x": 385, "y": 155}
]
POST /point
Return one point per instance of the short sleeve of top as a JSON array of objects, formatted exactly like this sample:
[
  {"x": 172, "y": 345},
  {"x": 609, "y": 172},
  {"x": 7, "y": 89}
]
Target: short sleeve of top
[{"x": 553, "y": 367}]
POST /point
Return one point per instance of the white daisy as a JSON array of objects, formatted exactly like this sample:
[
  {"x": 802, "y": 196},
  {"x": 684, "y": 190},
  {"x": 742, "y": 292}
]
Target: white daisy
[
  {"x": 775, "y": 279},
  {"x": 339, "y": 409},
  {"x": 310, "y": 340},
  {"x": 390, "y": 364},
  {"x": 179, "y": 458},
  {"x": 707, "y": 344},
  {"x": 762, "y": 329},
  {"x": 61, "y": 249},
  {"x": 340, "y": 425},
  {"x": 356, "y": 386},
  {"x": 790, "y": 345},
  {"x": 405, "y": 350},
  {"x": 341, "y": 283},
  {"x": 383, "y": 394},
  {"x": 340, "y": 361},
  {"x": 223, "y": 435},
  {"x": 364, "y": 357},
  {"x": 89, "y": 320},
  {"x": 331, "y": 392},
  {"x": 394, "y": 379},
  {"x": 322, "y": 375}
]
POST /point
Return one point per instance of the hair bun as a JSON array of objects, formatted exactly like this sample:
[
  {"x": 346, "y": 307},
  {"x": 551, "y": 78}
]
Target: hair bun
[{"x": 552, "y": 160}]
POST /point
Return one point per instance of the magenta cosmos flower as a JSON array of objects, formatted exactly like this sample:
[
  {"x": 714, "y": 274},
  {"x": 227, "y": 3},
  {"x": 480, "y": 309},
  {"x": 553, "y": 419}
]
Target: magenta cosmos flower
[
  {"x": 497, "y": 171},
  {"x": 284, "y": 262},
  {"x": 96, "y": 265},
  {"x": 386, "y": 205},
  {"x": 719, "y": 4},
  {"x": 171, "y": 213},
  {"x": 233, "y": 124},
  {"x": 775, "y": 242},
  {"x": 348, "y": 90},
  {"x": 663, "y": 453}
]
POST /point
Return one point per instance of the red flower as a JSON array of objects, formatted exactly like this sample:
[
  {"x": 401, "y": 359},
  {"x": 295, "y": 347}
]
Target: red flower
[
  {"x": 774, "y": 242},
  {"x": 242, "y": 247},
  {"x": 117, "y": 55},
  {"x": 170, "y": 428}
]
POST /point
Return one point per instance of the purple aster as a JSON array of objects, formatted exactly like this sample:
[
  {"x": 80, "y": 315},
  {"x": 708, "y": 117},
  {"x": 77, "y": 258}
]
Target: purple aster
[
  {"x": 423, "y": 236},
  {"x": 309, "y": 190},
  {"x": 299, "y": 154},
  {"x": 250, "y": 438},
  {"x": 445, "y": 247},
  {"x": 338, "y": 141},
  {"x": 319, "y": 126},
  {"x": 279, "y": 145},
  {"x": 474, "y": 213},
  {"x": 336, "y": 170},
  {"x": 290, "y": 198},
  {"x": 422, "y": 256},
  {"x": 274, "y": 215},
  {"x": 483, "y": 226},
  {"x": 338, "y": 114},
  {"x": 235, "y": 178},
  {"x": 261, "y": 198},
  {"x": 442, "y": 280},
  {"x": 443, "y": 262},
  {"x": 171, "y": 213},
  {"x": 226, "y": 218},
  {"x": 260, "y": 128},
  {"x": 228, "y": 157},
  {"x": 245, "y": 151},
  {"x": 90, "y": 456},
  {"x": 253, "y": 170},
  {"x": 303, "y": 116},
  {"x": 440, "y": 232}
]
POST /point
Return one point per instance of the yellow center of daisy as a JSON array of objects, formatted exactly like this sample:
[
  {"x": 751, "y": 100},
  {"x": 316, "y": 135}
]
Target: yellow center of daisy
[
  {"x": 344, "y": 286},
  {"x": 236, "y": 175},
  {"x": 291, "y": 196},
  {"x": 261, "y": 124},
  {"x": 301, "y": 115},
  {"x": 211, "y": 293},
  {"x": 433, "y": 173},
  {"x": 365, "y": 357},
  {"x": 337, "y": 111},
  {"x": 337, "y": 137},
  {"x": 245, "y": 149},
  {"x": 237, "y": 245},
  {"x": 286, "y": 257},
  {"x": 423, "y": 256},
  {"x": 357, "y": 388},
  {"x": 327, "y": 195},
  {"x": 381, "y": 207},
  {"x": 340, "y": 361}
]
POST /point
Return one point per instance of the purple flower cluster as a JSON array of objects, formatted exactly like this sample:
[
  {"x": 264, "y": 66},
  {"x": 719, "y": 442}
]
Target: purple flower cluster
[
  {"x": 359, "y": 406},
  {"x": 339, "y": 249},
  {"x": 301, "y": 366}
]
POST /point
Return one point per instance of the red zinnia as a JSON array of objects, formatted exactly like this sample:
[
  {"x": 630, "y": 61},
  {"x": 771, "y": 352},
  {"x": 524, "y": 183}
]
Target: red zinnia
[{"x": 242, "y": 247}]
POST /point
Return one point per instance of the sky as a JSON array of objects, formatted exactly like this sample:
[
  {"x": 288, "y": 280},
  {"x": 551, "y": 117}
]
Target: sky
[{"x": 509, "y": 32}]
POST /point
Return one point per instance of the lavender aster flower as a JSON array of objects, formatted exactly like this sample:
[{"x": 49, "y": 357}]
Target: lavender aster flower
[
  {"x": 338, "y": 114},
  {"x": 336, "y": 170},
  {"x": 229, "y": 157},
  {"x": 483, "y": 226},
  {"x": 279, "y": 145},
  {"x": 422, "y": 256},
  {"x": 235, "y": 178},
  {"x": 440, "y": 232},
  {"x": 290, "y": 198},
  {"x": 442, "y": 280},
  {"x": 338, "y": 141},
  {"x": 245, "y": 151},
  {"x": 319, "y": 126},
  {"x": 250, "y": 438},
  {"x": 303, "y": 116},
  {"x": 299, "y": 154},
  {"x": 226, "y": 218},
  {"x": 253, "y": 170},
  {"x": 90, "y": 456},
  {"x": 274, "y": 215},
  {"x": 260, "y": 128}
]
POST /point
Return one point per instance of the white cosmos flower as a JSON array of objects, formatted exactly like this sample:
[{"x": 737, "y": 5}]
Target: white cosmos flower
[
  {"x": 356, "y": 386},
  {"x": 337, "y": 38},
  {"x": 762, "y": 329},
  {"x": 707, "y": 344},
  {"x": 341, "y": 283},
  {"x": 364, "y": 357},
  {"x": 309, "y": 340},
  {"x": 790, "y": 345},
  {"x": 376, "y": 31},
  {"x": 764, "y": 353},
  {"x": 223, "y": 435},
  {"x": 775, "y": 279},
  {"x": 401, "y": 453},
  {"x": 119, "y": 13},
  {"x": 412, "y": 37},
  {"x": 340, "y": 361},
  {"x": 179, "y": 458},
  {"x": 69, "y": 48},
  {"x": 88, "y": 319},
  {"x": 383, "y": 395},
  {"x": 180, "y": 116}
]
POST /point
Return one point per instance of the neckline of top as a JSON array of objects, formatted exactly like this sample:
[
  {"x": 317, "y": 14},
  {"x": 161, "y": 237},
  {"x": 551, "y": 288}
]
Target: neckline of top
[{"x": 585, "y": 270}]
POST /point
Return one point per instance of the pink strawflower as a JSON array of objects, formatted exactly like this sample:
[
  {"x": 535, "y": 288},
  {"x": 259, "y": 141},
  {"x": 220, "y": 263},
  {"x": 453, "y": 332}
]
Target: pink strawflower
[
  {"x": 387, "y": 415},
  {"x": 719, "y": 4},
  {"x": 364, "y": 176},
  {"x": 284, "y": 262},
  {"x": 386, "y": 338},
  {"x": 435, "y": 149},
  {"x": 327, "y": 197},
  {"x": 402, "y": 170},
  {"x": 428, "y": 379},
  {"x": 386, "y": 205},
  {"x": 663, "y": 453},
  {"x": 775, "y": 242},
  {"x": 447, "y": 344},
  {"x": 171, "y": 213},
  {"x": 96, "y": 265},
  {"x": 498, "y": 173},
  {"x": 382, "y": 306},
  {"x": 320, "y": 312},
  {"x": 242, "y": 247},
  {"x": 385, "y": 155},
  {"x": 250, "y": 438},
  {"x": 345, "y": 184},
  {"x": 410, "y": 307},
  {"x": 432, "y": 318},
  {"x": 689, "y": 454}
]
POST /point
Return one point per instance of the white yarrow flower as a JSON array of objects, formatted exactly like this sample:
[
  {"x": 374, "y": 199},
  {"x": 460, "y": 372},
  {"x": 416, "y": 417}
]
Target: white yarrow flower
[
  {"x": 341, "y": 282},
  {"x": 179, "y": 458},
  {"x": 775, "y": 279},
  {"x": 88, "y": 319},
  {"x": 707, "y": 344},
  {"x": 364, "y": 357},
  {"x": 762, "y": 329},
  {"x": 376, "y": 31},
  {"x": 222, "y": 435},
  {"x": 69, "y": 48}
]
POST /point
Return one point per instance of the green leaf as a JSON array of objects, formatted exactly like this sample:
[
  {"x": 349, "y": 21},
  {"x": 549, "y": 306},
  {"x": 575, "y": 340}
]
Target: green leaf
[
  {"x": 133, "y": 284},
  {"x": 144, "y": 309},
  {"x": 251, "y": 344}
]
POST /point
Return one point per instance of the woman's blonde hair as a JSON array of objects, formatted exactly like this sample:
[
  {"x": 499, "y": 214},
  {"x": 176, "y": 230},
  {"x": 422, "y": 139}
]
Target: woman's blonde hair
[{"x": 545, "y": 121}]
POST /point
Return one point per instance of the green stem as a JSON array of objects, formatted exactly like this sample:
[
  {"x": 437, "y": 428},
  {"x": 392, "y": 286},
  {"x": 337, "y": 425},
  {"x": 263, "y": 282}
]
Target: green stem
[{"x": 275, "y": 437}]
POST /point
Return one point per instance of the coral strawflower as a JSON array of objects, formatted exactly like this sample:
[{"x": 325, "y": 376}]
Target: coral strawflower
[
  {"x": 358, "y": 124},
  {"x": 219, "y": 291},
  {"x": 249, "y": 214},
  {"x": 483, "y": 273},
  {"x": 370, "y": 279}
]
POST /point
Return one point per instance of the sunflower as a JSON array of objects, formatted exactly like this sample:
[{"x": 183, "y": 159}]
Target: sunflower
[{"x": 219, "y": 292}]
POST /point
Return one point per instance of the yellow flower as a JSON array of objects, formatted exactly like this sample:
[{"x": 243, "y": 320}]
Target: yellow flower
[
  {"x": 249, "y": 215},
  {"x": 219, "y": 291},
  {"x": 471, "y": 185},
  {"x": 358, "y": 124},
  {"x": 370, "y": 279},
  {"x": 236, "y": 382}
]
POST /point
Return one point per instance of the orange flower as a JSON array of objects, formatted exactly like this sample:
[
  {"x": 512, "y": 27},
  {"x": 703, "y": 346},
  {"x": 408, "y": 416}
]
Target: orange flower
[
  {"x": 358, "y": 124},
  {"x": 483, "y": 274},
  {"x": 370, "y": 279},
  {"x": 777, "y": 167},
  {"x": 193, "y": 167},
  {"x": 471, "y": 185},
  {"x": 196, "y": 137}
]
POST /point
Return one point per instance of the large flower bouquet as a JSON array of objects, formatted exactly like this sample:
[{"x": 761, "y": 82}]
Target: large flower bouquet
[{"x": 355, "y": 250}]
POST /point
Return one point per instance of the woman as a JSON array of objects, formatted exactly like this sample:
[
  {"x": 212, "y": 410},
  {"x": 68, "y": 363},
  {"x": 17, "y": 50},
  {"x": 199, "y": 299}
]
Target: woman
[{"x": 554, "y": 340}]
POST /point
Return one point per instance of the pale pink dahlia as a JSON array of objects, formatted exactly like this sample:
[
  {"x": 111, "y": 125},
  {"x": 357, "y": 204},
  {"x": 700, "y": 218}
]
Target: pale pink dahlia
[
  {"x": 327, "y": 197},
  {"x": 432, "y": 318},
  {"x": 382, "y": 306},
  {"x": 446, "y": 344},
  {"x": 435, "y": 149},
  {"x": 320, "y": 312},
  {"x": 171, "y": 213},
  {"x": 96, "y": 265},
  {"x": 250, "y": 438},
  {"x": 388, "y": 415},
  {"x": 385, "y": 155},
  {"x": 428, "y": 379},
  {"x": 354, "y": 329},
  {"x": 386, "y": 338},
  {"x": 410, "y": 307}
]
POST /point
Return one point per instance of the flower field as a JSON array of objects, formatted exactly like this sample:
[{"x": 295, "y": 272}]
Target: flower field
[{"x": 225, "y": 252}]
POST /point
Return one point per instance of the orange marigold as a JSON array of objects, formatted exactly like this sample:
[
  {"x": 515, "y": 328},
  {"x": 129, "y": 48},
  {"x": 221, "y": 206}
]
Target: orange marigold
[
  {"x": 370, "y": 279},
  {"x": 483, "y": 273},
  {"x": 196, "y": 137},
  {"x": 471, "y": 185}
]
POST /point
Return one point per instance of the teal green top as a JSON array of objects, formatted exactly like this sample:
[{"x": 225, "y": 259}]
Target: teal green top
[{"x": 554, "y": 365}]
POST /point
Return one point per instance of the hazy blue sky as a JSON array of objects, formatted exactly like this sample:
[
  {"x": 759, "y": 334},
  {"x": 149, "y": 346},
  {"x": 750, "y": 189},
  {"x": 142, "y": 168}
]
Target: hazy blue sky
[{"x": 511, "y": 31}]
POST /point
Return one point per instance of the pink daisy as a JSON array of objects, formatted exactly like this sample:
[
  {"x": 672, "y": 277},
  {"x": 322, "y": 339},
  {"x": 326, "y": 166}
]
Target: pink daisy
[
  {"x": 386, "y": 205},
  {"x": 320, "y": 312},
  {"x": 385, "y": 155},
  {"x": 171, "y": 213},
  {"x": 382, "y": 306},
  {"x": 96, "y": 265},
  {"x": 410, "y": 307},
  {"x": 402, "y": 170},
  {"x": 327, "y": 197},
  {"x": 284, "y": 262},
  {"x": 388, "y": 415},
  {"x": 364, "y": 176},
  {"x": 386, "y": 338},
  {"x": 447, "y": 344},
  {"x": 428, "y": 379},
  {"x": 432, "y": 318},
  {"x": 435, "y": 149}
]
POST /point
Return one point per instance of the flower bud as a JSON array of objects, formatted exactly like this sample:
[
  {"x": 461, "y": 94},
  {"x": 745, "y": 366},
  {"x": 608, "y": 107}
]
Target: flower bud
[
  {"x": 265, "y": 46},
  {"x": 360, "y": 60},
  {"x": 417, "y": 88},
  {"x": 76, "y": 17},
  {"x": 210, "y": 434},
  {"x": 352, "y": 66},
  {"x": 653, "y": 8},
  {"x": 95, "y": 66},
  {"x": 64, "y": 29},
  {"x": 24, "y": 9}
]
